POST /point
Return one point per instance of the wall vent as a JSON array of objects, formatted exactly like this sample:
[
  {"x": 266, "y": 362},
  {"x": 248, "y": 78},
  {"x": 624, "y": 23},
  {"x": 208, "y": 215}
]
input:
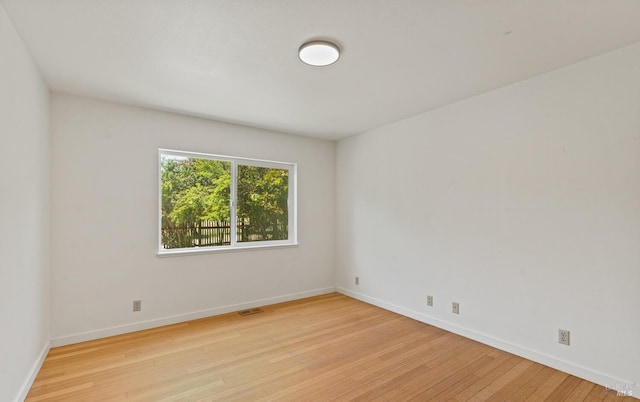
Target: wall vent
[{"x": 251, "y": 311}]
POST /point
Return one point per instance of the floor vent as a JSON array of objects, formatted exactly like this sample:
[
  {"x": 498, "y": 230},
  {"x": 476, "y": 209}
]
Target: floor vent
[{"x": 251, "y": 311}]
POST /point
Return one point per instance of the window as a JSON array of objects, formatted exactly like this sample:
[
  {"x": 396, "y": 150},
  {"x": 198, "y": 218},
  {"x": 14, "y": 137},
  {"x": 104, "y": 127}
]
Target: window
[{"x": 213, "y": 202}]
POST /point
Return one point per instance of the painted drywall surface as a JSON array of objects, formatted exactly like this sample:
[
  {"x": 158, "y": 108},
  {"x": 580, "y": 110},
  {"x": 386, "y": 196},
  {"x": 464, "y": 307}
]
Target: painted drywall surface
[
  {"x": 105, "y": 214},
  {"x": 521, "y": 204},
  {"x": 24, "y": 213}
]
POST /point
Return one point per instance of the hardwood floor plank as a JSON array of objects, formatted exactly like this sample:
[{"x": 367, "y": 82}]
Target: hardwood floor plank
[
  {"x": 502, "y": 381},
  {"x": 530, "y": 386},
  {"x": 329, "y": 347},
  {"x": 581, "y": 391},
  {"x": 505, "y": 392},
  {"x": 547, "y": 387},
  {"x": 487, "y": 375},
  {"x": 565, "y": 388},
  {"x": 442, "y": 390}
]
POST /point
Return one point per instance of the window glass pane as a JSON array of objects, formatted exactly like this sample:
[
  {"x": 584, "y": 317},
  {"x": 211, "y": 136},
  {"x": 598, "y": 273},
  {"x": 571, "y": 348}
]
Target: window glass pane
[
  {"x": 195, "y": 202},
  {"x": 262, "y": 198}
]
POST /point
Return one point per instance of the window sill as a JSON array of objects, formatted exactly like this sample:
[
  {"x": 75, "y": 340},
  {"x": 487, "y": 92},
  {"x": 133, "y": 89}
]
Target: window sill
[{"x": 214, "y": 250}]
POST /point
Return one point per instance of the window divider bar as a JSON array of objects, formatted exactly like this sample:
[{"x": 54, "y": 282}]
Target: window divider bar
[{"x": 233, "y": 214}]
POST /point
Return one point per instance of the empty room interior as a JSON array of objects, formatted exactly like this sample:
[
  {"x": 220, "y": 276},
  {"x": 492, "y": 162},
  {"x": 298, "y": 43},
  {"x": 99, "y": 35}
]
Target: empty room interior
[{"x": 320, "y": 200}]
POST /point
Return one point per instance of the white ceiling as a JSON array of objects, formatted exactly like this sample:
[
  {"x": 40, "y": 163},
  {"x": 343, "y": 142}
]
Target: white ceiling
[{"x": 236, "y": 60}]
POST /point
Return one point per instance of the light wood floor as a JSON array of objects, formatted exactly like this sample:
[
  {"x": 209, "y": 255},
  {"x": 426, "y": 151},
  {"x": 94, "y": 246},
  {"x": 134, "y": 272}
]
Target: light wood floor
[{"x": 323, "y": 348}]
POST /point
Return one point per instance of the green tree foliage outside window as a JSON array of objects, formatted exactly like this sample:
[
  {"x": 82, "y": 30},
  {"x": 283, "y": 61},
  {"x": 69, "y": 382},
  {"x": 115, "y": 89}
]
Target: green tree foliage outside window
[
  {"x": 262, "y": 203},
  {"x": 196, "y": 195}
]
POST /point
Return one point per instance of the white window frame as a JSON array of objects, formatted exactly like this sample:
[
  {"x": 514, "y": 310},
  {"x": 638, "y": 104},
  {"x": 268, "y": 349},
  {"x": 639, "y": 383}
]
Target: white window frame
[{"x": 235, "y": 245}]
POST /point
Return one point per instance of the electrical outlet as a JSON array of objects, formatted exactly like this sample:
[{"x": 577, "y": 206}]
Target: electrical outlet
[
  {"x": 455, "y": 308},
  {"x": 564, "y": 337},
  {"x": 137, "y": 305},
  {"x": 357, "y": 280},
  {"x": 430, "y": 301}
]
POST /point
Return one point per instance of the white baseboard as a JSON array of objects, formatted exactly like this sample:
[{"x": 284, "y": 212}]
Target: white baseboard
[
  {"x": 158, "y": 322},
  {"x": 28, "y": 382},
  {"x": 542, "y": 358}
]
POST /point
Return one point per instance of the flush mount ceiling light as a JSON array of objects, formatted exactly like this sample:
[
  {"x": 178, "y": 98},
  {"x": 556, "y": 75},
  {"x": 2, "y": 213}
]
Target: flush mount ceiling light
[{"x": 319, "y": 53}]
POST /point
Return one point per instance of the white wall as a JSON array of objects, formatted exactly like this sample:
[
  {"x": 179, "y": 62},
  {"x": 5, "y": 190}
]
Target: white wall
[
  {"x": 522, "y": 204},
  {"x": 24, "y": 215},
  {"x": 104, "y": 221}
]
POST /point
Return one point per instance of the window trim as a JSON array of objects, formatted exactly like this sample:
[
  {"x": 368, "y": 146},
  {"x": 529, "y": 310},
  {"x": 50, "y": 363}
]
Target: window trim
[{"x": 292, "y": 168}]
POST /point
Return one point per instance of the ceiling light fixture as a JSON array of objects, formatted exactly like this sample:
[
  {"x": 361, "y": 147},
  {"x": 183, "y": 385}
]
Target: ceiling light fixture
[{"x": 319, "y": 53}]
